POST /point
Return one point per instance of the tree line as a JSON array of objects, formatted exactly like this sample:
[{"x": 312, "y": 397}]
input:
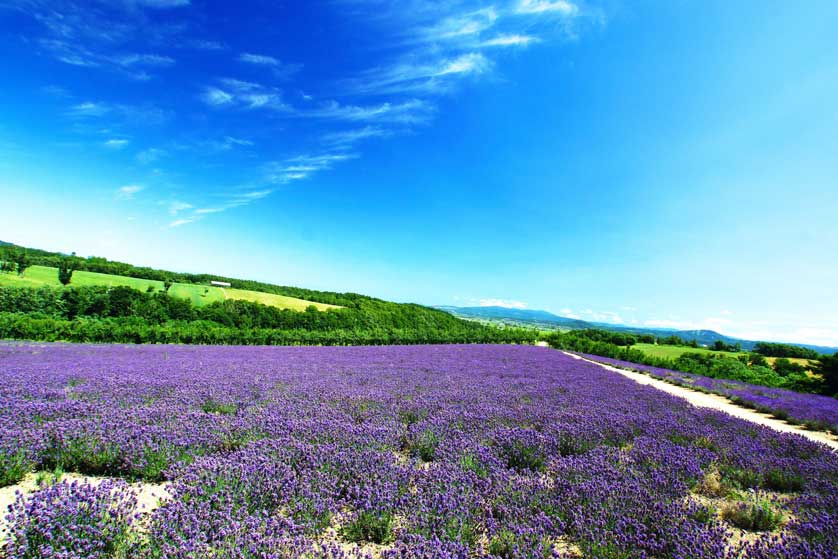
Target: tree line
[{"x": 126, "y": 315}]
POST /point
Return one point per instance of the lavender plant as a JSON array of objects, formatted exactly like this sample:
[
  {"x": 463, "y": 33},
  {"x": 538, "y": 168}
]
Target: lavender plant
[{"x": 412, "y": 452}]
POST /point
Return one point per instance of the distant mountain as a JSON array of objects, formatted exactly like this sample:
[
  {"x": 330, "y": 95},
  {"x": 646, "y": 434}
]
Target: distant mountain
[
  {"x": 547, "y": 320},
  {"x": 523, "y": 316}
]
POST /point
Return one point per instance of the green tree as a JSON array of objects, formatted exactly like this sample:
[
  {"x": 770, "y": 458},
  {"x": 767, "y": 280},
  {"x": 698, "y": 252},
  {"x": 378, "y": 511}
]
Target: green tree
[
  {"x": 66, "y": 267},
  {"x": 22, "y": 261},
  {"x": 827, "y": 367}
]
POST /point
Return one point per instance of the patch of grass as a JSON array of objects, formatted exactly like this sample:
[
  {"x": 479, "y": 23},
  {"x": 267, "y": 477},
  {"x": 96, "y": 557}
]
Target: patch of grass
[
  {"x": 520, "y": 456},
  {"x": 426, "y": 446},
  {"x": 758, "y": 515},
  {"x": 13, "y": 467},
  {"x": 740, "y": 478},
  {"x": 503, "y": 544},
  {"x": 411, "y": 417},
  {"x": 48, "y": 478},
  {"x": 214, "y": 406},
  {"x": 783, "y": 481},
  {"x": 369, "y": 527},
  {"x": 462, "y": 530},
  {"x": 84, "y": 455},
  {"x": 472, "y": 463}
]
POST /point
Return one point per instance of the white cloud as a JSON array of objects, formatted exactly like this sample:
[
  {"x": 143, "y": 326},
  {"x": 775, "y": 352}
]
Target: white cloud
[
  {"x": 568, "y": 313},
  {"x": 247, "y": 95},
  {"x": 216, "y": 97},
  {"x": 89, "y": 108},
  {"x": 349, "y": 137},
  {"x": 116, "y": 143},
  {"x": 260, "y": 59},
  {"x": 183, "y": 221},
  {"x": 506, "y": 303},
  {"x": 561, "y": 7},
  {"x": 128, "y": 191},
  {"x": 302, "y": 167},
  {"x": 602, "y": 316},
  {"x": 150, "y": 155},
  {"x": 510, "y": 41},
  {"x": 412, "y": 111},
  {"x": 145, "y": 60},
  {"x": 428, "y": 77},
  {"x": 163, "y": 3},
  {"x": 176, "y": 207}
]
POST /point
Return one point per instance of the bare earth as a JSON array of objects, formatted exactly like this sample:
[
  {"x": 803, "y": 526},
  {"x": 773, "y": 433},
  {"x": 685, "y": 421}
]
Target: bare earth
[{"x": 704, "y": 400}]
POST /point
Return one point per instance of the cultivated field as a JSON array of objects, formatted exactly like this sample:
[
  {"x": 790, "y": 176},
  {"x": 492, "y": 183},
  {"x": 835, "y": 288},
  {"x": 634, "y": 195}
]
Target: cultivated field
[
  {"x": 675, "y": 351},
  {"x": 199, "y": 295},
  {"x": 397, "y": 452}
]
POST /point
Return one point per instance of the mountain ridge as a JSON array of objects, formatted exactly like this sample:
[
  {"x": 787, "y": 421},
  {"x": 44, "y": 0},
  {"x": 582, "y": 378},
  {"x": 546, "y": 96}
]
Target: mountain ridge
[{"x": 546, "y": 319}]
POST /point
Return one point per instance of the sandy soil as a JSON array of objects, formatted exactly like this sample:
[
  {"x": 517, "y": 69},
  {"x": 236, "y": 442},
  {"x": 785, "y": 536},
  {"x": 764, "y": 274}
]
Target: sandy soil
[
  {"x": 149, "y": 495},
  {"x": 703, "y": 400}
]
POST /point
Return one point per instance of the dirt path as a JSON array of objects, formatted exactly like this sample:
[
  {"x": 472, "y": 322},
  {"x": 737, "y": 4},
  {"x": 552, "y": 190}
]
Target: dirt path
[{"x": 704, "y": 400}]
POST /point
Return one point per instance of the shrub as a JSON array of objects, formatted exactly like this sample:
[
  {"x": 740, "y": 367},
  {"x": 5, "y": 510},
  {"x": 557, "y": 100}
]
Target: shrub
[
  {"x": 784, "y": 481},
  {"x": 13, "y": 467},
  {"x": 521, "y": 456},
  {"x": 426, "y": 446},
  {"x": 471, "y": 463},
  {"x": 213, "y": 406},
  {"x": 369, "y": 526},
  {"x": 758, "y": 515}
]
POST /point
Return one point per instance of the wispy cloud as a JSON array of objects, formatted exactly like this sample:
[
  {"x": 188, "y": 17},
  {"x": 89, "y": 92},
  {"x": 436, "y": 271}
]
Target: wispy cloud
[
  {"x": 175, "y": 207},
  {"x": 347, "y": 138},
  {"x": 411, "y": 111},
  {"x": 116, "y": 143},
  {"x": 260, "y": 59},
  {"x": 239, "y": 197},
  {"x": 244, "y": 94},
  {"x": 278, "y": 68},
  {"x": 506, "y": 303},
  {"x": 145, "y": 115},
  {"x": 128, "y": 191},
  {"x": 428, "y": 77},
  {"x": 561, "y": 7},
  {"x": 150, "y": 155},
  {"x": 303, "y": 166},
  {"x": 510, "y": 41}
]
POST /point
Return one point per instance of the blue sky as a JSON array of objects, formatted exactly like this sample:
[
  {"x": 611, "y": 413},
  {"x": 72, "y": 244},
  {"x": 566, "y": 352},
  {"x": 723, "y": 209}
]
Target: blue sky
[{"x": 652, "y": 163}]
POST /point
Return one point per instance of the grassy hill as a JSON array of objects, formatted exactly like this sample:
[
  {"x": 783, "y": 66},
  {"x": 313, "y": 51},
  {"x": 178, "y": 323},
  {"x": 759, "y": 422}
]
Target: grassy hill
[
  {"x": 198, "y": 294},
  {"x": 108, "y": 301}
]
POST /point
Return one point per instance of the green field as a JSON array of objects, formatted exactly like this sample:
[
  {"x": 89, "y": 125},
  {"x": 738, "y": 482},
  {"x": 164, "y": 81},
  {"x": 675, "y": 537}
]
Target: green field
[
  {"x": 675, "y": 351},
  {"x": 199, "y": 295}
]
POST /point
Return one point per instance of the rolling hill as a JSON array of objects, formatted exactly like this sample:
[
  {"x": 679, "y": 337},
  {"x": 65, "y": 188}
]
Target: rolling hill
[{"x": 198, "y": 294}]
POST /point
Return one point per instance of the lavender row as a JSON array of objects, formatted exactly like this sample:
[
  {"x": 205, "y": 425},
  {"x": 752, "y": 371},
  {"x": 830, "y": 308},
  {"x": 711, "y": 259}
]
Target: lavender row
[
  {"x": 811, "y": 410},
  {"x": 394, "y": 452}
]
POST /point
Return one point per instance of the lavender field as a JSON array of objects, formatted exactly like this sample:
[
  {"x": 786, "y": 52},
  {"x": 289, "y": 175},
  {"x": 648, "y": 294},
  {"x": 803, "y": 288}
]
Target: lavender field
[
  {"x": 393, "y": 452},
  {"x": 814, "y": 411}
]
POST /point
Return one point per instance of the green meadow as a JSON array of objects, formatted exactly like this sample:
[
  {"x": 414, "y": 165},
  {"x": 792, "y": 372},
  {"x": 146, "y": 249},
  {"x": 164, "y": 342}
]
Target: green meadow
[{"x": 199, "y": 295}]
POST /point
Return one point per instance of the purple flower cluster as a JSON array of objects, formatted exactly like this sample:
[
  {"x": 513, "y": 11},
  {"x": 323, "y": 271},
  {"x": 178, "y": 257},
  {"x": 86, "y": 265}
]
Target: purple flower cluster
[
  {"x": 72, "y": 521},
  {"x": 812, "y": 410},
  {"x": 395, "y": 452}
]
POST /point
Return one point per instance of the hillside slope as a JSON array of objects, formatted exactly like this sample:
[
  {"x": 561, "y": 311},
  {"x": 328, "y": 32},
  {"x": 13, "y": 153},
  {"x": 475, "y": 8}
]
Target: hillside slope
[{"x": 198, "y": 294}]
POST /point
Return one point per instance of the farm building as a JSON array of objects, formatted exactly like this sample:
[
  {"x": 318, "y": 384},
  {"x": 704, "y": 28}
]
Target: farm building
[{"x": 220, "y": 283}]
